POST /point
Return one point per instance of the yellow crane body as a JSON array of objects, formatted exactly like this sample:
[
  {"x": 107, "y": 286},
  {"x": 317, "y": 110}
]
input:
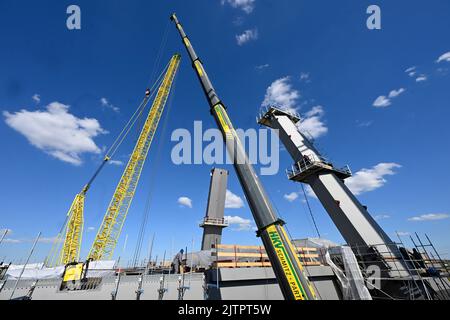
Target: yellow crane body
[
  {"x": 111, "y": 227},
  {"x": 73, "y": 231}
]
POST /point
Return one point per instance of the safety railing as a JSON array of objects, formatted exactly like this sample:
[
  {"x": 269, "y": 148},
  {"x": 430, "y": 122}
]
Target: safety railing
[
  {"x": 265, "y": 110},
  {"x": 312, "y": 163},
  {"x": 215, "y": 221}
]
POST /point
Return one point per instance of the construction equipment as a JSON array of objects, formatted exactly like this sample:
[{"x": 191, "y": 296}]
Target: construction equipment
[
  {"x": 354, "y": 222},
  {"x": 162, "y": 281},
  {"x": 289, "y": 272},
  {"x": 140, "y": 290},
  {"x": 111, "y": 227},
  {"x": 74, "y": 230},
  {"x": 71, "y": 233},
  {"x": 74, "y": 276},
  {"x": 116, "y": 287}
]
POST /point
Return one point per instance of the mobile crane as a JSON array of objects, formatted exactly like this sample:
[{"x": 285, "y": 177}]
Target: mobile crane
[{"x": 289, "y": 271}]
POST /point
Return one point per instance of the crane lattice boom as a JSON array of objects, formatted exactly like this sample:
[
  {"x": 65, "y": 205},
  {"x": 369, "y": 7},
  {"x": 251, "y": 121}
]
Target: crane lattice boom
[
  {"x": 109, "y": 232},
  {"x": 73, "y": 231}
]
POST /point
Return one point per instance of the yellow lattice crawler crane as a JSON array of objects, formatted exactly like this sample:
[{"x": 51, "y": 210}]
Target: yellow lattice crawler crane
[
  {"x": 109, "y": 232},
  {"x": 103, "y": 247},
  {"x": 74, "y": 231}
]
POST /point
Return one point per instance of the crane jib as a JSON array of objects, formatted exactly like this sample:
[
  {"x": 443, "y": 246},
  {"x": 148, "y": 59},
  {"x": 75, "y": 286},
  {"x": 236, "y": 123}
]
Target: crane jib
[
  {"x": 293, "y": 282},
  {"x": 286, "y": 264},
  {"x": 111, "y": 228},
  {"x": 221, "y": 116}
]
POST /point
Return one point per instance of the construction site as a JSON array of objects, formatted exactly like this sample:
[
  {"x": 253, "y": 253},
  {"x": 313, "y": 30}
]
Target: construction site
[{"x": 371, "y": 265}]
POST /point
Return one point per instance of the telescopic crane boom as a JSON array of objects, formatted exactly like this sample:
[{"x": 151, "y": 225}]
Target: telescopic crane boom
[{"x": 287, "y": 267}]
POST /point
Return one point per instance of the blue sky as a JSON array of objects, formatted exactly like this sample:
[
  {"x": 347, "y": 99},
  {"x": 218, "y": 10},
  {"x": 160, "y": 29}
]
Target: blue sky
[{"x": 366, "y": 110}]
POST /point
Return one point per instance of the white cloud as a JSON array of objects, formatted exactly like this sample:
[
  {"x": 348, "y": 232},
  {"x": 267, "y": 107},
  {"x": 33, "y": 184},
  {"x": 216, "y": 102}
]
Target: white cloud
[
  {"x": 8, "y": 232},
  {"x": 422, "y": 78},
  {"x": 14, "y": 241},
  {"x": 41, "y": 240},
  {"x": 233, "y": 201},
  {"x": 247, "y": 36},
  {"x": 185, "y": 202},
  {"x": 430, "y": 217},
  {"x": 105, "y": 103},
  {"x": 383, "y": 101},
  {"x": 241, "y": 223},
  {"x": 367, "y": 180},
  {"x": 90, "y": 229},
  {"x": 36, "y": 98},
  {"x": 262, "y": 67},
  {"x": 116, "y": 162},
  {"x": 444, "y": 57},
  {"x": 57, "y": 132},
  {"x": 403, "y": 233},
  {"x": 48, "y": 240},
  {"x": 382, "y": 217},
  {"x": 411, "y": 69},
  {"x": 291, "y": 197},
  {"x": 246, "y": 5},
  {"x": 363, "y": 124},
  {"x": 396, "y": 93},
  {"x": 304, "y": 76},
  {"x": 281, "y": 94},
  {"x": 312, "y": 123}
]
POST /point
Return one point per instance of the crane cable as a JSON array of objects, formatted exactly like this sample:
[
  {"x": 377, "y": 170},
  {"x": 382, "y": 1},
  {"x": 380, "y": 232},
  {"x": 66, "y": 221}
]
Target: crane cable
[
  {"x": 152, "y": 179},
  {"x": 109, "y": 155},
  {"x": 125, "y": 131},
  {"x": 161, "y": 50},
  {"x": 156, "y": 66},
  {"x": 145, "y": 216},
  {"x": 310, "y": 211}
]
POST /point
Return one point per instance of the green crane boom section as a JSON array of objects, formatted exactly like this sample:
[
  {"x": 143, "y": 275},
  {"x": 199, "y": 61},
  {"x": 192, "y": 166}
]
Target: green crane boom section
[
  {"x": 109, "y": 231},
  {"x": 290, "y": 273}
]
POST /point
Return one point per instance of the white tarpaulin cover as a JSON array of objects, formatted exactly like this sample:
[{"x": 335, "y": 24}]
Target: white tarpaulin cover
[
  {"x": 102, "y": 265},
  {"x": 352, "y": 281},
  {"x": 38, "y": 272},
  {"x": 354, "y": 275},
  {"x": 101, "y": 269},
  {"x": 34, "y": 272}
]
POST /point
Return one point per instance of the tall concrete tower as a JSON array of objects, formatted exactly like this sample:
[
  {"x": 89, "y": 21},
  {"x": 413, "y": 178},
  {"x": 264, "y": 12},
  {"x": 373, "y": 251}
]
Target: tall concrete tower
[{"x": 214, "y": 220}]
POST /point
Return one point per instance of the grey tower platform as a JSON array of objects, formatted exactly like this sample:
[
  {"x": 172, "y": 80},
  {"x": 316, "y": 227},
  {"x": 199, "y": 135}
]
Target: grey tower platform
[
  {"x": 356, "y": 225},
  {"x": 214, "y": 221}
]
